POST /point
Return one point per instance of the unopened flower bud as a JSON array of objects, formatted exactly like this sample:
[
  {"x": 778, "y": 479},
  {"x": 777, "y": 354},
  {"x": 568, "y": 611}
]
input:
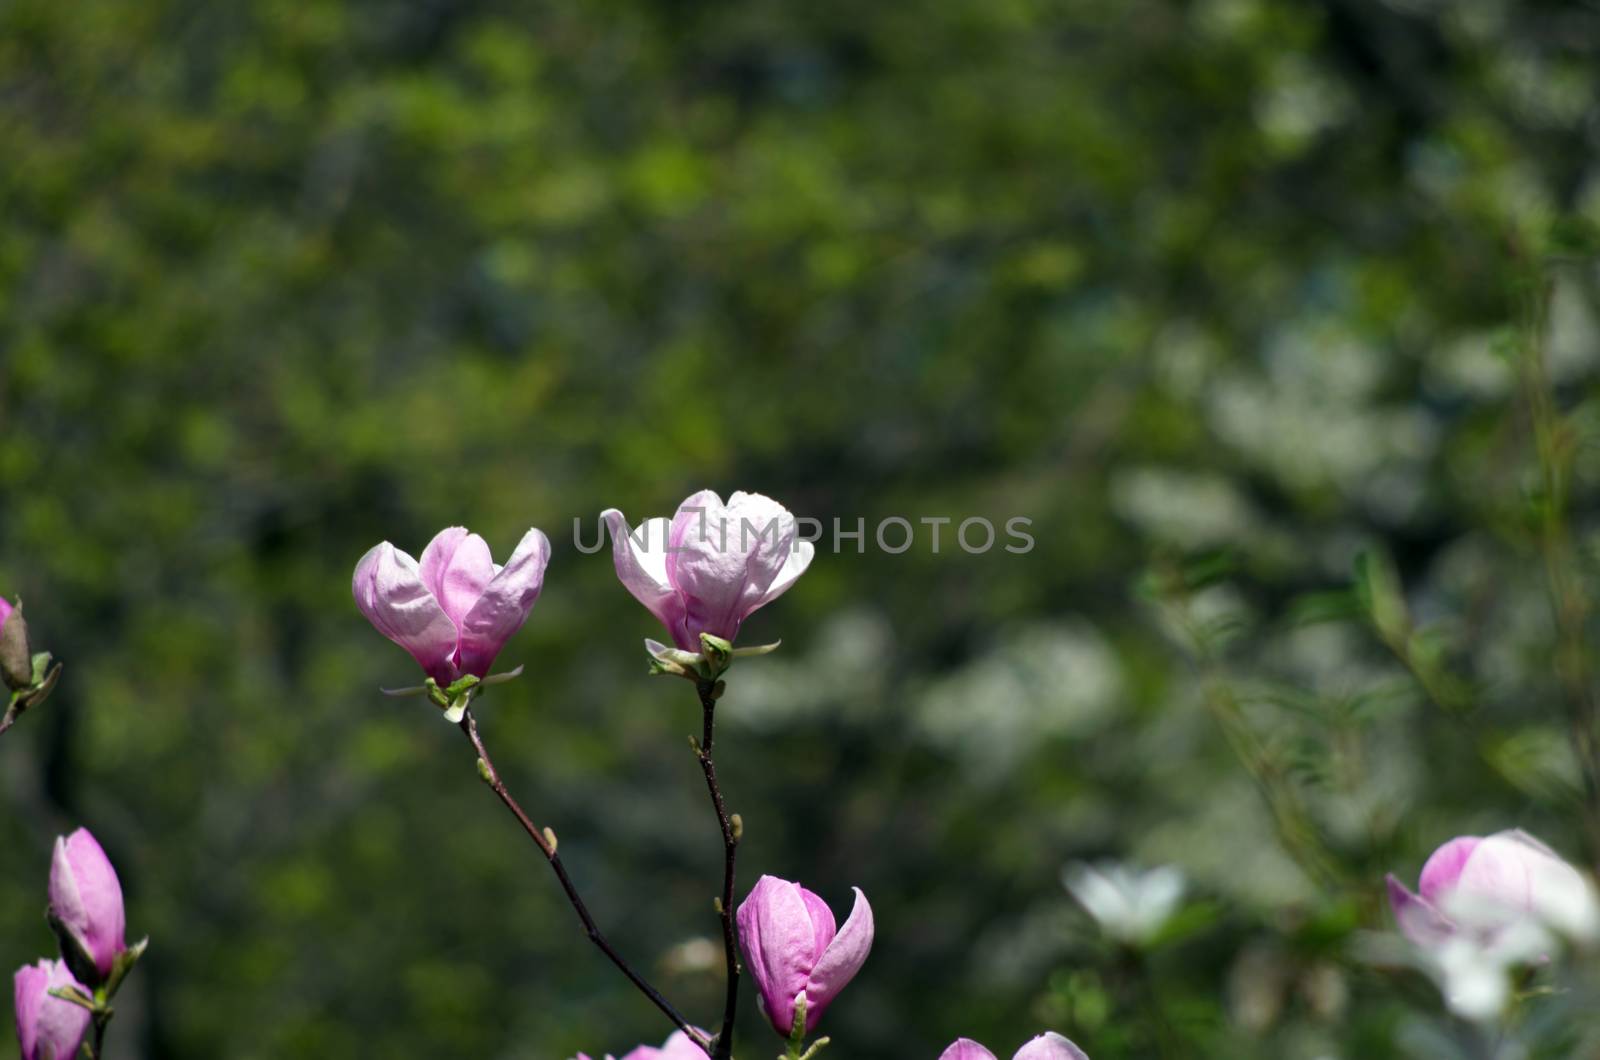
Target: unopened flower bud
[
  {"x": 794, "y": 950},
  {"x": 48, "y": 1027},
  {"x": 86, "y": 905},
  {"x": 16, "y": 661}
]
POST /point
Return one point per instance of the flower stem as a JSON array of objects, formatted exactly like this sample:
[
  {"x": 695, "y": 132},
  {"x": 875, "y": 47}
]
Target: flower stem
[
  {"x": 543, "y": 839},
  {"x": 94, "y": 1048},
  {"x": 722, "y": 1044}
]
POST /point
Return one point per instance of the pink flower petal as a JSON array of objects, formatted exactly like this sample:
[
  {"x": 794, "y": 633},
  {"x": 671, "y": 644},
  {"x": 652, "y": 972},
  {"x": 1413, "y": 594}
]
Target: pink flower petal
[
  {"x": 841, "y": 961},
  {"x": 1444, "y": 867},
  {"x": 456, "y": 566},
  {"x": 1419, "y": 920},
  {"x": 640, "y": 557},
  {"x": 776, "y": 931},
  {"x": 389, "y": 590},
  {"x": 504, "y": 603},
  {"x": 1050, "y": 1046}
]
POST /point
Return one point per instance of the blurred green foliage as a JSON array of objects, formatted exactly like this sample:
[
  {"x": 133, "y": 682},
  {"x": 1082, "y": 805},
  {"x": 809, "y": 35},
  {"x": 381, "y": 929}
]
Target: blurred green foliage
[{"x": 1224, "y": 295}]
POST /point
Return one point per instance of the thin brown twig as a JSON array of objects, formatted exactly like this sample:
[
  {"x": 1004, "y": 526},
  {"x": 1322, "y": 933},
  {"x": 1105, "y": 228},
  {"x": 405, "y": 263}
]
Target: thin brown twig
[
  {"x": 722, "y": 1044},
  {"x": 469, "y": 726}
]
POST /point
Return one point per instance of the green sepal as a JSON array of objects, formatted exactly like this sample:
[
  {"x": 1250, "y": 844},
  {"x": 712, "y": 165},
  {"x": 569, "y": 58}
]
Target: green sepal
[
  {"x": 816, "y": 1047},
  {"x": 123, "y": 965},
  {"x": 460, "y": 694},
  {"x": 73, "y": 995},
  {"x": 672, "y": 669},
  {"x": 797, "y": 1035},
  {"x": 718, "y": 653},
  {"x": 23, "y": 699},
  {"x": 436, "y": 694},
  {"x": 674, "y": 661},
  {"x": 502, "y": 678},
  {"x": 759, "y": 649},
  {"x": 458, "y": 708}
]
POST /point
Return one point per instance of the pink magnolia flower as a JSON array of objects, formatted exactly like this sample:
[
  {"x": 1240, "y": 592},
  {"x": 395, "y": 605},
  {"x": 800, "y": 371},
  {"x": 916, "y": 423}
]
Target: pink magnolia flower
[
  {"x": 1048, "y": 1046},
  {"x": 5, "y": 612},
  {"x": 455, "y": 609},
  {"x": 711, "y": 565},
  {"x": 86, "y": 898},
  {"x": 1484, "y": 885},
  {"x": 47, "y": 1027},
  {"x": 678, "y": 1047},
  {"x": 793, "y": 949}
]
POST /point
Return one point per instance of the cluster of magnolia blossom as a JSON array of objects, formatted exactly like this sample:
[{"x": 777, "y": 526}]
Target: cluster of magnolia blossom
[
  {"x": 59, "y": 1001},
  {"x": 701, "y": 573}
]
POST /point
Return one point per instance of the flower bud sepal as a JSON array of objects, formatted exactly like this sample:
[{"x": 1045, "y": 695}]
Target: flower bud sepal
[
  {"x": 99, "y": 1004},
  {"x": 42, "y": 681},
  {"x": 123, "y": 965},
  {"x": 79, "y": 961},
  {"x": 713, "y": 659},
  {"x": 72, "y": 995},
  {"x": 16, "y": 666},
  {"x": 797, "y": 1036},
  {"x": 455, "y": 698},
  {"x": 83, "y": 968}
]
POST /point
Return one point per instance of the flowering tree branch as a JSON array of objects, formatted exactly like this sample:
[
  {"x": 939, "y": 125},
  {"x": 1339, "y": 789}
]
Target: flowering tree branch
[{"x": 546, "y": 841}]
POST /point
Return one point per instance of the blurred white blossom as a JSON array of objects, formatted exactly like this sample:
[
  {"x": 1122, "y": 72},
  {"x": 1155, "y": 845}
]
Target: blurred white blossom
[{"x": 1129, "y": 905}]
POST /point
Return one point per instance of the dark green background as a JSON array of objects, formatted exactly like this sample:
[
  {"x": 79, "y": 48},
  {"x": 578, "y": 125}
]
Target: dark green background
[{"x": 1231, "y": 291}]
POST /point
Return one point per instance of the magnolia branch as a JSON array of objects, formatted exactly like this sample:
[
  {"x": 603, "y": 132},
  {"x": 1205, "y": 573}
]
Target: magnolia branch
[
  {"x": 722, "y": 1045},
  {"x": 546, "y": 841}
]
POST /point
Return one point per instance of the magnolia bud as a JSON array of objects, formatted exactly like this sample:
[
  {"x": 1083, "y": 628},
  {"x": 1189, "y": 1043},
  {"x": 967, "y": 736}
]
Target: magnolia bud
[
  {"x": 16, "y": 662},
  {"x": 86, "y": 906},
  {"x": 48, "y": 1027},
  {"x": 793, "y": 950}
]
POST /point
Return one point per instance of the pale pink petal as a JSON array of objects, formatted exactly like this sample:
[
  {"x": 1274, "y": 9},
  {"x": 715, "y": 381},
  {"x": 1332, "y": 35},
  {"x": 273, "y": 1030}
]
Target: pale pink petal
[
  {"x": 86, "y": 897},
  {"x": 841, "y": 961},
  {"x": 965, "y": 1049},
  {"x": 1444, "y": 867},
  {"x": 725, "y": 558},
  {"x": 504, "y": 604},
  {"x": 800, "y": 557},
  {"x": 1560, "y": 895},
  {"x": 777, "y": 934},
  {"x": 47, "y": 1027},
  {"x": 822, "y": 922},
  {"x": 1050, "y": 1046},
  {"x": 1417, "y": 917},
  {"x": 640, "y": 557},
  {"x": 389, "y": 590},
  {"x": 1497, "y": 871},
  {"x": 456, "y": 566},
  {"x": 681, "y": 1047}
]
